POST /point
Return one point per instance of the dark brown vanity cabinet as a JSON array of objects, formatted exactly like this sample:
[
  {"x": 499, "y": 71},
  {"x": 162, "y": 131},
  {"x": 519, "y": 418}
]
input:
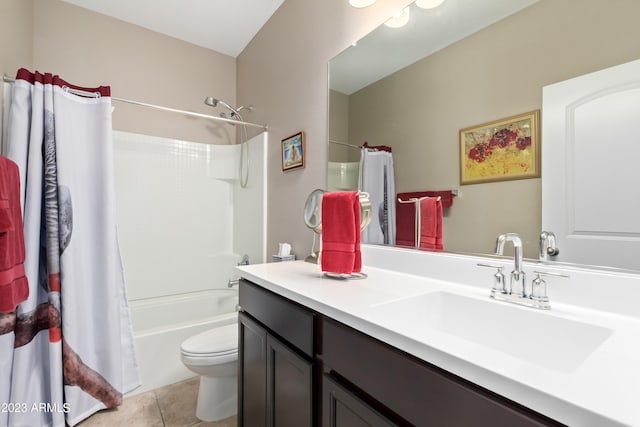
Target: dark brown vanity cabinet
[
  {"x": 299, "y": 368},
  {"x": 403, "y": 390},
  {"x": 275, "y": 361}
]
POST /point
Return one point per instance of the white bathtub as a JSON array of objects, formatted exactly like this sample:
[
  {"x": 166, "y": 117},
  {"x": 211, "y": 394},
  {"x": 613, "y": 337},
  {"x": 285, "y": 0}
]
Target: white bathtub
[{"x": 161, "y": 324}]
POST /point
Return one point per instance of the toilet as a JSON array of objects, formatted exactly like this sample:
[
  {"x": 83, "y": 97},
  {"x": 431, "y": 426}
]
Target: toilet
[{"x": 213, "y": 355}]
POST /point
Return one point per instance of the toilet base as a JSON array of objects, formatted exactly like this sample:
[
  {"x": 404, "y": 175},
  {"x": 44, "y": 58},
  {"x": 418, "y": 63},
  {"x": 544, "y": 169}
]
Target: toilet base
[{"x": 217, "y": 398}]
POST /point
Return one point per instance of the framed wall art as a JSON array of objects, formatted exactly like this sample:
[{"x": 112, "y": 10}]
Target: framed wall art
[
  {"x": 501, "y": 150},
  {"x": 293, "y": 152}
]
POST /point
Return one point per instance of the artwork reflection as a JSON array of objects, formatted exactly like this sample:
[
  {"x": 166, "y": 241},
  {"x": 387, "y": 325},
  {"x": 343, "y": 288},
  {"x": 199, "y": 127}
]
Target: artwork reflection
[{"x": 500, "y": 150}]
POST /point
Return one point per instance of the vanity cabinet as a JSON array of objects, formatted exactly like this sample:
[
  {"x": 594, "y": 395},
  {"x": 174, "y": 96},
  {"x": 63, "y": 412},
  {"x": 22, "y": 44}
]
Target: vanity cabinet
[
  {"x": 300, "y": 368},
  {"x": 275, "y": 360},
  {"x": 404, "y": 390}
]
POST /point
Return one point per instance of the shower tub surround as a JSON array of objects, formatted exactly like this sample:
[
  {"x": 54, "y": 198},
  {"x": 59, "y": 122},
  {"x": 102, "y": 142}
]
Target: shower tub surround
[
  {"x": 585, "y": 371},
  {"x": 179, "y": 207}
]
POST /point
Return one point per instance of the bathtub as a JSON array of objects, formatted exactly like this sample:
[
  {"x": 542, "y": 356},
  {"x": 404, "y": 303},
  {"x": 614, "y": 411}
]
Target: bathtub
[{"x": 161, "y": 324}]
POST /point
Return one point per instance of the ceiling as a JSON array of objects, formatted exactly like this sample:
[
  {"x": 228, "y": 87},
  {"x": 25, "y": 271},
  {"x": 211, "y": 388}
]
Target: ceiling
[
  {"x": 387, "y": 50},
  {"x": 224, "y": 26}
]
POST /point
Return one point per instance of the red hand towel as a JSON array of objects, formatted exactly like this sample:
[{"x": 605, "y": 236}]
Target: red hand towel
[
  {"x": 405, "y": 223},
  {"x": 431, "y": 224},
  {"x": 341, "y": 232},
  {"x": 14, "y": 287}
]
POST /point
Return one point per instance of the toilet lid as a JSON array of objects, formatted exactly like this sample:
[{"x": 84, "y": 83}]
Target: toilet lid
[{"x": 217, "y": 341}]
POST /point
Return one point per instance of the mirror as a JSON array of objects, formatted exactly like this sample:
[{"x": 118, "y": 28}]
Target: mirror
[{"x": 474, "y": 61}]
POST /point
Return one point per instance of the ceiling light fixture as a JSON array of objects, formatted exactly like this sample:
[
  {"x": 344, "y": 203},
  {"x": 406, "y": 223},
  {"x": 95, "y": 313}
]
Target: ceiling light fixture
[
  {"x": 429, "y": 4},
  {"x": 361, "y": 3},
  {"x": 399, "y": 19}
]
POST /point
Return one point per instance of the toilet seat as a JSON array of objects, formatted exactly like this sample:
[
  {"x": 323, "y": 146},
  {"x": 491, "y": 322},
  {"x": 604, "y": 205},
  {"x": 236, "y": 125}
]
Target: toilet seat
[
  {"x": 216, "y": 342},
  {"x": 213, "y": 355}
]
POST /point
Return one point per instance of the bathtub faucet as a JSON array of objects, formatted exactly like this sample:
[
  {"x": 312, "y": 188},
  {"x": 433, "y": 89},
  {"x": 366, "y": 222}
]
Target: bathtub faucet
[{"x": 236, "y": 281}]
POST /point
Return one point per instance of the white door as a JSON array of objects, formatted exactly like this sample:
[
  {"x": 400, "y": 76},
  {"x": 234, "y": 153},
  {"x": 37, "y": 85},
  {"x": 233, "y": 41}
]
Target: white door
[{"x": 591, "y": 167}]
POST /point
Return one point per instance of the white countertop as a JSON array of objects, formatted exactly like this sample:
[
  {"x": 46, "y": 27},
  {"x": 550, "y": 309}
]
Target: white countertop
[{"x": 602, "y": 390}]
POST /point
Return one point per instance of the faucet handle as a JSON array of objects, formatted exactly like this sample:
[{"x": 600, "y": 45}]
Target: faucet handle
[
  {"x": 548, "y": 247},
  {"x": 498, "y": 286},
  {"x": 539, "y": 288}
]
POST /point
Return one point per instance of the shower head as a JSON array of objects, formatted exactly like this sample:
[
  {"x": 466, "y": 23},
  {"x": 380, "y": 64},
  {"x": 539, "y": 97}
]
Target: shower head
[{"x": 213, "y": 102}]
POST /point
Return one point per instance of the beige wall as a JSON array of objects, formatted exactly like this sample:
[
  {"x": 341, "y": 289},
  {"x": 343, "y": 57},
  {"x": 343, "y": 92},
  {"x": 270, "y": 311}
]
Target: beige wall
[
  {"x": 338, "y": 127},
  {"x": 89, "y": 49},
  {"x": 283, "y": 72},
  {"x": 496, "y": 73},
  {"x": 16, "y": 28}
]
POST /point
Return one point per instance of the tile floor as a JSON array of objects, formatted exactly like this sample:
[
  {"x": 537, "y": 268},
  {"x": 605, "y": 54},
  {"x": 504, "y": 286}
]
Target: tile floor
[{"x": 170, "y": 406}]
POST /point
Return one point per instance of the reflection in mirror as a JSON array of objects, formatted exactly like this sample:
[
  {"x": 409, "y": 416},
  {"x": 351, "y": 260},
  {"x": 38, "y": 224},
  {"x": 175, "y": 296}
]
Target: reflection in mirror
[
  {"x": 473, "y": 74},
  {"x": 313, "y": 220}
]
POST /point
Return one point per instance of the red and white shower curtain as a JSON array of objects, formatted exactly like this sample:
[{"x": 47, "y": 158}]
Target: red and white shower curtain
[{"x": 70, "y": 350}]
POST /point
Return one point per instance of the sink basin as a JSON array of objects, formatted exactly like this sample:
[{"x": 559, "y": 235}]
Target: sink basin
[{"x": 528, "y": 334}]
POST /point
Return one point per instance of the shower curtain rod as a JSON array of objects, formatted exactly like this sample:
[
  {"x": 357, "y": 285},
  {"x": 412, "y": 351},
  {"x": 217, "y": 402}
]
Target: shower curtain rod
[
  {"x": 344, "y": 143},
  {"x": 8, "y": 79}
]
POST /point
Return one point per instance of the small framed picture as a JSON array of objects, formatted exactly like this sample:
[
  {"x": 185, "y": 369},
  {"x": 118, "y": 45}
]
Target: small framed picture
[
  {"x": 293, "y": 152},
  {"x": 501, "y": 150}
]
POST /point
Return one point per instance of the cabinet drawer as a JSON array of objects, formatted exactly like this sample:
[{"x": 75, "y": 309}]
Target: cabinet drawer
[
  {"x": 418, "y": 392},
  {"x": 285, "y": 318}
]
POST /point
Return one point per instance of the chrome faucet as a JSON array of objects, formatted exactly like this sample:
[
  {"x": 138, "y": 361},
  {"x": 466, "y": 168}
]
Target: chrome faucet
[
  {"x": 517, "y": 292},
  {"x": 235, "y": 281},
  {"x": 548, "y": 246},
  {"x": 517, "y": 282}
]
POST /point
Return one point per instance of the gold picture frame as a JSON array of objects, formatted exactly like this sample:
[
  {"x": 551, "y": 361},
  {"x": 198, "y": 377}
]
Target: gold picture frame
[
  {"x": 293, "y": 152},
  {"x": 501, "y": 150}
]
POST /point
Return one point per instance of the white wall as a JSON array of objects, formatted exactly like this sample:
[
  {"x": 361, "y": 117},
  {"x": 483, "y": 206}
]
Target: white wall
[{"x": 175, "y": 214}]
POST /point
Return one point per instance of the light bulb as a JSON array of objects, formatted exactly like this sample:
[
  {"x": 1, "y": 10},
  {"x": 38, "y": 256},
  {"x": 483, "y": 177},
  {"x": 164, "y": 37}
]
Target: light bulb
[
  {"x": 429, "y": 4},
  {"x": 399, "y": 19},
  {"x": 361, "y": 3}
]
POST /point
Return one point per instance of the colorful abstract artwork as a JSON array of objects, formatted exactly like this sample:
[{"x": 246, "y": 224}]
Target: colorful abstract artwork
[{"x": 501, "y": 150}]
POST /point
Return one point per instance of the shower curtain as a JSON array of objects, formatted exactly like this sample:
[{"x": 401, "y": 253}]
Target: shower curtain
[
  {"x": 377, "y": 178},
  {"x": 67, "y": 351}
]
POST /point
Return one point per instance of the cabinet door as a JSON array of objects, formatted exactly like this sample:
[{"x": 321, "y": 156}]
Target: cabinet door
[
  {"x": 289, "y": 387},
  {"x": 252, "y": 373},
  {"x": 341, "y": 408}
]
